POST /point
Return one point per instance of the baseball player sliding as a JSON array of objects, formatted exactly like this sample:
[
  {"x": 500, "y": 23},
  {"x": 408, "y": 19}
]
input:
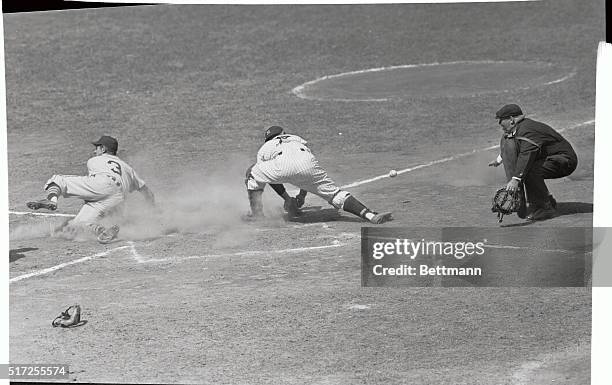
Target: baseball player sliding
[
  {"x": 285, "y": 158},
  {"x": 106, "y": 185}
]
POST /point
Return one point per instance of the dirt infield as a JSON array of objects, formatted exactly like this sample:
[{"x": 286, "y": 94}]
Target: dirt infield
[{"x": 189, "y": 293}]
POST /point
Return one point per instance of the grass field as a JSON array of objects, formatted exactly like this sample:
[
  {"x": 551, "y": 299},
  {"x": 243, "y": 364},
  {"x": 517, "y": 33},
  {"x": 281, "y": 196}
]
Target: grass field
[{"x": 189, "y": 293}]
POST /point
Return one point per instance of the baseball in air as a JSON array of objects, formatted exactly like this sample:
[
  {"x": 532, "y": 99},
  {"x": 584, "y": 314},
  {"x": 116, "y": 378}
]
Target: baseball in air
[{"x": 392, "y": 173}]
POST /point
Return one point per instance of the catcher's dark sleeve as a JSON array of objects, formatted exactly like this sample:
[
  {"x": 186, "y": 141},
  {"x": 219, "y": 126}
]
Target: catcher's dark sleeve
[
  {"x": 279, "y": 188},
  {"x": 527, "y": 155}
]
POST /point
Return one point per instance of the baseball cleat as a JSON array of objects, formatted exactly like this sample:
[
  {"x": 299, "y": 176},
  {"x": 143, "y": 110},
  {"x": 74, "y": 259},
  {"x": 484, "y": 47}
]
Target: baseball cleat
[
  {"x": 380, "y": 218},
  {"x": 42, "y": 204},
  {"x": 107, "y": 235}
]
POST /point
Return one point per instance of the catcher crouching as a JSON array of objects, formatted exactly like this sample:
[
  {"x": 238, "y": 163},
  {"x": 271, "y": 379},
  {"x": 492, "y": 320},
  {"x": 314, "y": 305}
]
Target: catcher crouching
[{"x": 531, "y": 152}]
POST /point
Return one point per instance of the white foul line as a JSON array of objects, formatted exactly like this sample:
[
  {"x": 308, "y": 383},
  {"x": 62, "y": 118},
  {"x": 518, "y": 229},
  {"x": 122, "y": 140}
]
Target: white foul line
[
  {"x": 447, "y": 159},
  {"x": 41, "y": 214},
  {"x": 62, "y": 265},
  {"x": 564, "y": 251}
]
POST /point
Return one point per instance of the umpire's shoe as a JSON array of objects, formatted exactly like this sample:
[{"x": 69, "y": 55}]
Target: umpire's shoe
[
  {"x": 543, "y": 213},
  {"x": 42, "y": 204},
  {"x": 380, "y": 218}
]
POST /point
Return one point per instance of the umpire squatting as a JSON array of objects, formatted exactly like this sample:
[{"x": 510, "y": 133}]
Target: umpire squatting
[
  {"x": 531, "y": 152},
  {"x": 284, "y": 158}
]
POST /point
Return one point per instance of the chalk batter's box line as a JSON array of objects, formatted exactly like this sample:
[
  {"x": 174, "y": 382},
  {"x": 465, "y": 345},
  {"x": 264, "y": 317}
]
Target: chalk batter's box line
[{"x": 140, "y": 259}]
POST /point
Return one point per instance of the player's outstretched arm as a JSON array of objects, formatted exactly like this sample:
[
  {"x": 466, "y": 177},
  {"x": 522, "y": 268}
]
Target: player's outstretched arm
[
  {"x": 280, "y": 190},
  {"x": 290, "y": 204},
  {"x": 301, "y": 198},
  {"x": 148, "y": 195}
]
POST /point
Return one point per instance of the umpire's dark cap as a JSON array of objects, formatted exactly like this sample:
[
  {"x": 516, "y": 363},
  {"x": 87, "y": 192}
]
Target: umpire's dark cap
[
  {"x": 507, "y": 111},
  {"x": 109, "y": 142},
  {"x": 273, "y": 131}
]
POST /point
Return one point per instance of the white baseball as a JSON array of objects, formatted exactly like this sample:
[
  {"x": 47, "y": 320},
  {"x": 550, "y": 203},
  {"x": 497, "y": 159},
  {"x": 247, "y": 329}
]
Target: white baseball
[{"x": 392, "y": 173}]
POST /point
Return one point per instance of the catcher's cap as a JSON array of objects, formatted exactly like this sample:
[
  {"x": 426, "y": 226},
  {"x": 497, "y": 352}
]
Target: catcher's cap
[
  {"x": 507, "y": 111},
  {"x": 273, "y": 131},
  {"x": 109, "y": 142}
]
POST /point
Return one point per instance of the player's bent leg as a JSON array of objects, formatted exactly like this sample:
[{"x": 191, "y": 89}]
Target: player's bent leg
[
  {"x": 349, "y": 203},
  {"x": 255, "y": 189},
  {"x": 53, "y": 191},
  {"x": 256, "y": 205},
  {"x": 90, "y": 215}
]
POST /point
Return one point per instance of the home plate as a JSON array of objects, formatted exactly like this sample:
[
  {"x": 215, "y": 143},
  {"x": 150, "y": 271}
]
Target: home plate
[{"x": 359, "y": 307}]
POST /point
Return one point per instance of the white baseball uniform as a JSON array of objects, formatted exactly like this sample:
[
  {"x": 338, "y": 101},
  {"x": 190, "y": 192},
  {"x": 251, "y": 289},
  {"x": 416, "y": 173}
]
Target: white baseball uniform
[
  {"x": 108, "y": 182},
  {"x": 286, "y": 159}
]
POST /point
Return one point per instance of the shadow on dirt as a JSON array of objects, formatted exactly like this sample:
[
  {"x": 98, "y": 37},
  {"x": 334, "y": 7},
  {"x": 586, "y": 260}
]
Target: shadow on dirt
[
  {"x": 314, "y": 215},
  {"x": 568, "y": 208},
  {"x": 16, "y": 254},
  {"x": 563, "y": 208},
  {"x": 520, "y": 224}
]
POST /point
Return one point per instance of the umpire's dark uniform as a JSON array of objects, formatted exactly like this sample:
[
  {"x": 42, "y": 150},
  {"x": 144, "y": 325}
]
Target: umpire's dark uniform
[{"x": 534, "y": 152}]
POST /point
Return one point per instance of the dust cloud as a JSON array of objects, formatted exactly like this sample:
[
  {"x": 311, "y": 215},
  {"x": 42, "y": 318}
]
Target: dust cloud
[
  {"x": 43, "y": 227},
  {"x": 196, "y": 201},
  {"x": 192, "y": 201}
]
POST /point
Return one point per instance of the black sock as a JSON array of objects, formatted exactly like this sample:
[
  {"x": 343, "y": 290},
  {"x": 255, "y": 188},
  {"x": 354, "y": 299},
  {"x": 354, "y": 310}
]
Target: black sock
[{"x": 353, "y": 206}]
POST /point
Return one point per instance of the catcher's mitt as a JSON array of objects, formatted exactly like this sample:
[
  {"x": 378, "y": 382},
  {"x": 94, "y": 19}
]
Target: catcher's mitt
[
  {"x": 69, "y": 317},
  {"x": 506, "y": 202}
]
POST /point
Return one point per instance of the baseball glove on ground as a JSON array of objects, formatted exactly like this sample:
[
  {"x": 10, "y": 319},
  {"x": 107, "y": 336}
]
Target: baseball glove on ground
[
  {"x": 69, "y": 317},
  {"x": 506, "y": 202}
]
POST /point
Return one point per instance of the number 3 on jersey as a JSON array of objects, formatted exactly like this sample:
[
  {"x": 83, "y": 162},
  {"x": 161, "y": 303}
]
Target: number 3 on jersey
[{"x": 114, "y": 167}]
